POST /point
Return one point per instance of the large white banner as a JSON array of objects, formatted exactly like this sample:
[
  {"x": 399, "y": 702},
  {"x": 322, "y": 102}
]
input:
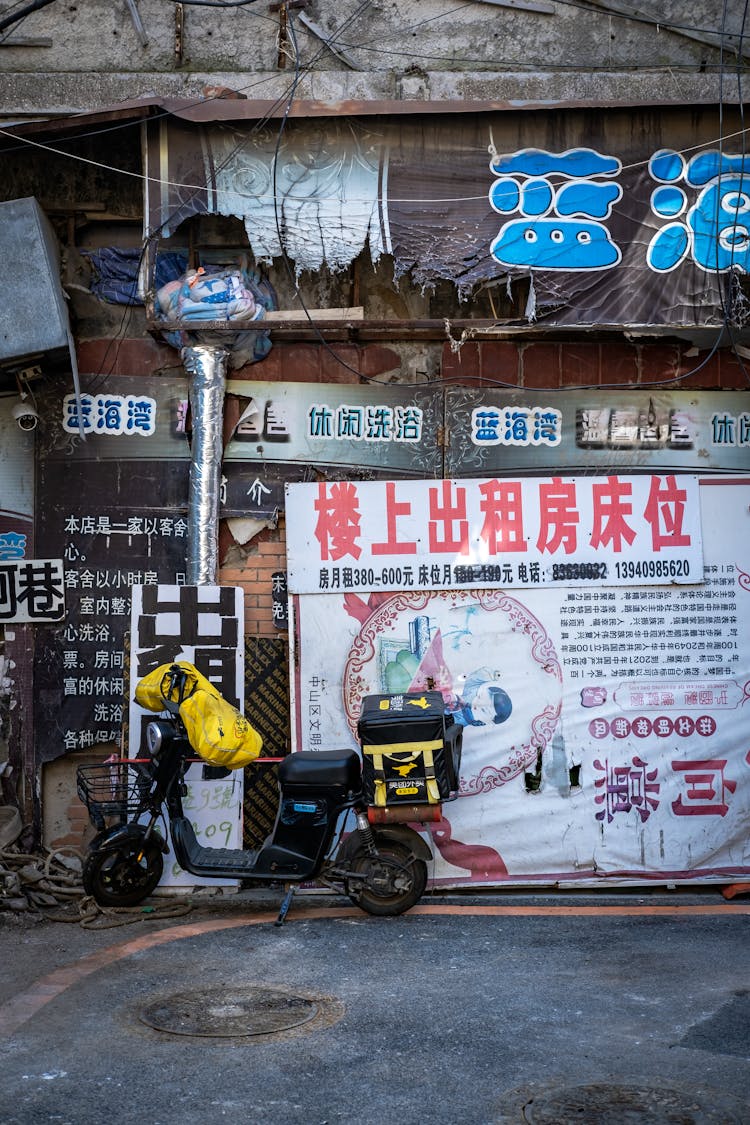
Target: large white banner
[
  {"x": 472, "y": 534},
  {"x": 606, "y": 727},
  {"x": 205, "y": 626}
]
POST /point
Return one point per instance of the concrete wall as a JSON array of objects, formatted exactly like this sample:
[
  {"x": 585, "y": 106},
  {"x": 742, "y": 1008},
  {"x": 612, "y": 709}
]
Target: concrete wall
[{"x": 91, "y": 55}]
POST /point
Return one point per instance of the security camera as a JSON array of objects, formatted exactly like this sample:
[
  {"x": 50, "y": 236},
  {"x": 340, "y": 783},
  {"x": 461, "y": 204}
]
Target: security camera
[{"x": 26, "y": 415}]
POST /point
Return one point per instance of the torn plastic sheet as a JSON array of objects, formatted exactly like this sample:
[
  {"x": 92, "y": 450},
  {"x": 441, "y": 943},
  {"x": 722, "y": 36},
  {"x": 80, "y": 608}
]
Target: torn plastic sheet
[
  {"x": 321, "y": 191},
  {"x": 425, "y": 190},
  {"x": 245, "y": 528}
]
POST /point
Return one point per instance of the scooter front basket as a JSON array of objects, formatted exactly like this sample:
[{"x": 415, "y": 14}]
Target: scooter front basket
[{"x": 112, "y": 789}]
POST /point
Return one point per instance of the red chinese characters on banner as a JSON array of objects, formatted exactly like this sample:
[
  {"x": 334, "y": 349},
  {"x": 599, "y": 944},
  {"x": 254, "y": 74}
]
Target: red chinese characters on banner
[
  {"x": 338, "y": 521},
  {"x": 705, "y": 788},
  {"x": 394, "y": 509},
  {"x": 504, "y": 506},
  {"x": 559, "y": 517},
  {"x": 612, "y": 506},
  {"x": 665, "y": 512},
  {"x": 501, "y": 506},
  {"x": 448, "y": 527}
]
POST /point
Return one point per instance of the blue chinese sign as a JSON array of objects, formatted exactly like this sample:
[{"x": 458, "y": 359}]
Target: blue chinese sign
[
  {"x": 614, "y": 217},
  {"x": 109, "y": 414},
  {"x": 534, "y": 431},
  {"x": 379, "y": 427}
]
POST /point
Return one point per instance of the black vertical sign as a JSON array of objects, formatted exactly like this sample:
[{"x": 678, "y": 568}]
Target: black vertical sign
[
  {"x": 279, "y": 600},
  {"x": 116, "y": 525}
]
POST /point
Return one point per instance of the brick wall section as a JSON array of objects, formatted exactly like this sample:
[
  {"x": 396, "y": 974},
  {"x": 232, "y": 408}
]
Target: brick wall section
[
  {"x": 535, "y": 364},
  {"x": 66, "y": 819},
  {"x": 266, "y": 553},
  {"x": 585, "y": 364},
  {"x": 295, "y": 363}
]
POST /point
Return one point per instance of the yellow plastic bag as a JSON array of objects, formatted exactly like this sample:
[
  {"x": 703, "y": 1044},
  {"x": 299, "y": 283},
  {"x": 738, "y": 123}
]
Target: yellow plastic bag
[{"x": 218, "y": 732}]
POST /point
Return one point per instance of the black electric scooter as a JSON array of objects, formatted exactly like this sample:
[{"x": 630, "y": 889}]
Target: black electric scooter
[{"x": 381, "y": 868}]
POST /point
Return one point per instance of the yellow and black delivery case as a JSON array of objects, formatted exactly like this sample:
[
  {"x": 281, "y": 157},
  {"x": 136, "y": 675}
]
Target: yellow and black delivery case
[{"x": 411, "y": 751}]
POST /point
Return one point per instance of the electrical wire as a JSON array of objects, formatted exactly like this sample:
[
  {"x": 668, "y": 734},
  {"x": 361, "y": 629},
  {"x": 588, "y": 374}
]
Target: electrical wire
[
  {"x": 728, "y": 275},
  {"x": 160, "y": 182},
  {"x": 127, "y": 315},
  {"x": 284, "y": 254},
  {"x": 243, "y": 5},
  {"x": 10, "y": 21},
  {"x": 151, "y": 241},
  {"x": 153, "y": 237},
  {"x": 216, "y": 3},
  {"x": 347, "y": 366}
]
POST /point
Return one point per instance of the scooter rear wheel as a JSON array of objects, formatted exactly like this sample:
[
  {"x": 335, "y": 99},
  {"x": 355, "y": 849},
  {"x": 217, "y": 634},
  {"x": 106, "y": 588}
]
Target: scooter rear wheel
[
  {"x": 119, "y": 877},
  {"x": 396, "y": 879}
]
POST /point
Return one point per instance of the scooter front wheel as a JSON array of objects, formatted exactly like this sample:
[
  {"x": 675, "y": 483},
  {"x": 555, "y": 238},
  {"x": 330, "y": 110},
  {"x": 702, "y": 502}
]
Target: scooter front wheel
[
  {"x": 395, "y": 879},
  {"x": 124, "y": 875}
]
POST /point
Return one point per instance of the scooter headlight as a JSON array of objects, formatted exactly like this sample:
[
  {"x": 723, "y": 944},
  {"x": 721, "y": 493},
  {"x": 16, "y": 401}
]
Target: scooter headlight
[{"x": 155, "y": 737}]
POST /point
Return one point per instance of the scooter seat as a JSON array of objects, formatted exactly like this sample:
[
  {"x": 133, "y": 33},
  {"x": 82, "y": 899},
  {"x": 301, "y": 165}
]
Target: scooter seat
[{"x": 315, "y": 768}]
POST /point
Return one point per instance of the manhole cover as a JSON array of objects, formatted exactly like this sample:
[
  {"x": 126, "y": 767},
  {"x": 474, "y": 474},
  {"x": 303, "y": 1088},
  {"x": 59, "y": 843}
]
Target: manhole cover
[
  {"x": 231, "y": 1012},
  {"x": 600, "y": 1104}
]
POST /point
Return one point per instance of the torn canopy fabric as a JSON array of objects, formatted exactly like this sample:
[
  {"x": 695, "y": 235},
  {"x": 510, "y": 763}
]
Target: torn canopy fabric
[{"x": 618, "y": 217}]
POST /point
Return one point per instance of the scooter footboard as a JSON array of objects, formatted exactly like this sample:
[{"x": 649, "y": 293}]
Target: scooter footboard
[{"x": 222, "y": 862}]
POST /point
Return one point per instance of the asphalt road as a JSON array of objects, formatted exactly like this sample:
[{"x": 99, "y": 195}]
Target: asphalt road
[{"x": 549, "y": 1008}]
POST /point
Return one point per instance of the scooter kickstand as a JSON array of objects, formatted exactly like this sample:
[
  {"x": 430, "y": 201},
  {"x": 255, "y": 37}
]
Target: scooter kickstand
[{"x": 285, "y": 904}]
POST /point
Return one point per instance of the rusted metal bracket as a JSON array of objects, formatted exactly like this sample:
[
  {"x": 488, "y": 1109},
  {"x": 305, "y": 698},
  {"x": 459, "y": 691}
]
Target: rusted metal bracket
[
  {"x": 282, "y": 8},
  {"x": 278, "y": 7},
  {"x": 325, "y": 39},
  {"x": 179, "y": 33}
]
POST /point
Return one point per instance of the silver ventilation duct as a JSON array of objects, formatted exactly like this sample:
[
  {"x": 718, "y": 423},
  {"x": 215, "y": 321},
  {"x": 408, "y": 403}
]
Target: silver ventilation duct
[{"x": 206, "y": 367}]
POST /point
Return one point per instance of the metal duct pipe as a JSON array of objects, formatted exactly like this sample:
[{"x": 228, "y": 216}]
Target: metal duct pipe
[{"x": 206, "y": 367}]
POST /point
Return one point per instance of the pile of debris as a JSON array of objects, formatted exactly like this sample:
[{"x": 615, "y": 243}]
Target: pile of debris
[
  {"x": 38, "y": 879},
  {"x": 45, "y": 883}
]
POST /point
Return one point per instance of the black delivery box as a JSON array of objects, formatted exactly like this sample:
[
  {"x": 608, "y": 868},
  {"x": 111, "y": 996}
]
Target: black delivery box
[{"x": 411, "y": 751}]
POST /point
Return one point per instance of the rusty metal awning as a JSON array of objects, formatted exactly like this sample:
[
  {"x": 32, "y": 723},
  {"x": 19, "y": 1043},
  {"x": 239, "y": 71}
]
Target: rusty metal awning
[{"x": 235, "y": 108}]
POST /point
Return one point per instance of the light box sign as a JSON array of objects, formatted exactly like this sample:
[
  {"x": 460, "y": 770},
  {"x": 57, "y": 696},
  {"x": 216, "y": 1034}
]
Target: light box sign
[
  {"x": 378, "y": 426},
  {"x": 505, "y": 431},
  {"x": 470, "y": 534}
]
